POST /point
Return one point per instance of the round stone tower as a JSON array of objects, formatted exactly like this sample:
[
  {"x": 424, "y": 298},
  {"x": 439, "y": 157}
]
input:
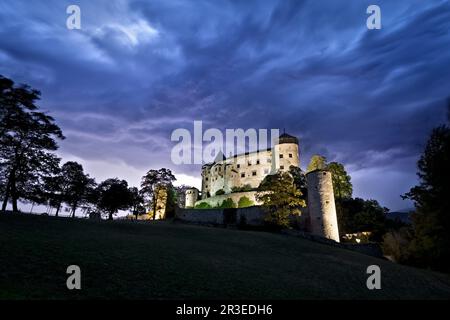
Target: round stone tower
[
  {"x": 191, "y": 196},
  {"x": 321, "y": 206},
  {"x": 286, "y": 153}
]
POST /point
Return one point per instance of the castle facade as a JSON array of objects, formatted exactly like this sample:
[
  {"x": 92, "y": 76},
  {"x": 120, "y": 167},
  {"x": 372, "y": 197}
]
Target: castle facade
[{"x": 249, "y": 169}]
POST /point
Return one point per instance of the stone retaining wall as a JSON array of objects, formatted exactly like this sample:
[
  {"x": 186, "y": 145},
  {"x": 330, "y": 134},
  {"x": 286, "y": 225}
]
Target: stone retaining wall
[
  {"x": 252, "y": 216},
  {"x": 235, "y": 196}
]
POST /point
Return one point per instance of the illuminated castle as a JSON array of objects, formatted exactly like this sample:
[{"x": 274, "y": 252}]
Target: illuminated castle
[
  {"x": 249, "y": 169},
  {"x": 239, "y": 176}
]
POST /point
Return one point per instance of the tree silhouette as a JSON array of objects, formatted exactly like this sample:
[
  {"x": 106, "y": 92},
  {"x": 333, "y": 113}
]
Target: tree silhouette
[
  {"x": 27, "y": 139},
  {"x": 70, "y": 185},
  {"x": 137, "y": 202},
  {"x": 342, "y": 185},
  {"x": 430, "y": 246},
  {"x": 113, "y": 195}
]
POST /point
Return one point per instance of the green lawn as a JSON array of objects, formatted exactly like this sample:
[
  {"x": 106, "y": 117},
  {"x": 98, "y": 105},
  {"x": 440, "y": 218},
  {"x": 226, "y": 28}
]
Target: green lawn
[{"x": 164, "y": 260}]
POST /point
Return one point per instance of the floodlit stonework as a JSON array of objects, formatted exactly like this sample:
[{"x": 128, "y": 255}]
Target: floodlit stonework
[
  {"x": 249, "y": 169},
  {"x": 321, "y": 205},
  {"x": 231, "y": 178},
  {"x": 161, "y": 202},
  {"x": 191, "y": 197}
]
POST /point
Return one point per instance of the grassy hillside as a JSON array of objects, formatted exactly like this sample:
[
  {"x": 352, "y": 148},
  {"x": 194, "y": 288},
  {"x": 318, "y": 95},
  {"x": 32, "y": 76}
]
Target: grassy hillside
[{"x": 166, "y": 261}]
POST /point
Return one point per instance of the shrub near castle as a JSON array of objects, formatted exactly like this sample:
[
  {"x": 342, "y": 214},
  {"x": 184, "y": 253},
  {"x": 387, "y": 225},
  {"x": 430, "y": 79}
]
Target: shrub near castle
[
  {"x": 227, "y": 203},
  {"x": 245, "y": 202},
  {"x": 203, "y": 205}
]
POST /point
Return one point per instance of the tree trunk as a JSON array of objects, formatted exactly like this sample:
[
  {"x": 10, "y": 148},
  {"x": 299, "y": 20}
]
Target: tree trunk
[
  {"x": 154, "y": 205},
  {"x": 135, "y": 212},
  {"x": 32, "y": 206},
  {"x": 5, "y": 200},
  {"x": 57, "y": 209},
  {"x": 7, "y": 194},
  {"x": 74, "y": 209},
  {"x": 14, "y": 192}
]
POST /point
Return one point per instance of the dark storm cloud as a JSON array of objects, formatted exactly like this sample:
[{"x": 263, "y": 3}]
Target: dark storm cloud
[{"x": 139, "y": 69}]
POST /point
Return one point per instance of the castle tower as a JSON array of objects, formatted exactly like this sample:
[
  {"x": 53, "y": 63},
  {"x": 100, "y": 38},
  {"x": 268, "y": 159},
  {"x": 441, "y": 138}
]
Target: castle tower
[
  {"x": 191, "y": 196},
  {"x": 206, "y": 180},
  {"x": 285, "y": 153},
  {"x": 321, "y": 206}
]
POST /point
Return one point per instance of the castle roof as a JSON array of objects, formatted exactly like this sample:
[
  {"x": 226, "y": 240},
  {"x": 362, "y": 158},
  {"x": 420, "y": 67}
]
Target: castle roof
[
  {"x": 283, "y": 138},
  {"x": 287, "y": 138}
]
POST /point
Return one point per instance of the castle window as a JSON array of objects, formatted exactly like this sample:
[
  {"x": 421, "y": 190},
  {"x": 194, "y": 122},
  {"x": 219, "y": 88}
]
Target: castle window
[
  {"x": 281, "y": 156},
  {"x": 238, "y": 165},
  {"x": 249, "y": 163},
  {"x": 242, "y": 175},
  {"x": 290, "y": 155},
  {"x": 206, "y": 179},
  {"x": 253, "y": 173},
  {"x": 282, "y": 167},
  {"x": 257, "y": 161}
]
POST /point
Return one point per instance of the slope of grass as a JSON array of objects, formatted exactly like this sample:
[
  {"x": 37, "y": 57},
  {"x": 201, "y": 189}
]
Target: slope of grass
[{"x": 170, "y": 261}]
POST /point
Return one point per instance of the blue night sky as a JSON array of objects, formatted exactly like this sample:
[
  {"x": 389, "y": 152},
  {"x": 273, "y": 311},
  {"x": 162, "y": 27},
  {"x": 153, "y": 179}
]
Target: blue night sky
[{"x": 137, "y": 70}]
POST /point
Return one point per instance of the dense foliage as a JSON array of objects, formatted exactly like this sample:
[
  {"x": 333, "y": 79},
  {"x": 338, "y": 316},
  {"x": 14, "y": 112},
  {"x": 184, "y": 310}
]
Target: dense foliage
[
  {"x": 429, "y": 241},
  {"x": 280, "y": 198}
]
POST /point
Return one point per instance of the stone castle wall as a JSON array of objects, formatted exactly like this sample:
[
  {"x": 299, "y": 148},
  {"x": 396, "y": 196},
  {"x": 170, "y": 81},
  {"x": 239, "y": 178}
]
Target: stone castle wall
[
  {"x": 251, "y": 216},
  {"x": 235, "y": 196},
  {"x": 247, "y": 169},
  {"x": 318, "y": 218}
]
